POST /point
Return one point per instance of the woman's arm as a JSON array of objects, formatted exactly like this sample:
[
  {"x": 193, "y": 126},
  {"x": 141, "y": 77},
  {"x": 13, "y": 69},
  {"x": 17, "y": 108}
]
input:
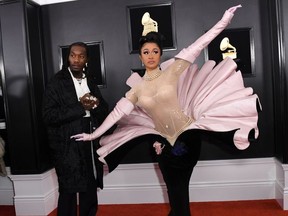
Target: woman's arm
[
  {"x": 192, "y": 52},
  {"x": 123, "y": 107}
]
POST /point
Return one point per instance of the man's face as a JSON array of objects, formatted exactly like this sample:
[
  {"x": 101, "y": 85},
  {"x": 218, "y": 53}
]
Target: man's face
[{"x": 77, "y": 58}]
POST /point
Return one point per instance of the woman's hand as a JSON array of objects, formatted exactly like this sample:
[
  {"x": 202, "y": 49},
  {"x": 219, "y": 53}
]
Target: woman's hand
[
  {"x": 229, "y": 13},
  {"x": 233, "y": 9},
  {"x": 158, "y": 147},
  {"x": 82, "y": 137}
]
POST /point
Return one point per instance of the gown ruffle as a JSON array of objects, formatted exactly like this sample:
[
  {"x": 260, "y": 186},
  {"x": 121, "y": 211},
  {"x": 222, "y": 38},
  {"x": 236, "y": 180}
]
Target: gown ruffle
[{"x": 216, "y": 98}]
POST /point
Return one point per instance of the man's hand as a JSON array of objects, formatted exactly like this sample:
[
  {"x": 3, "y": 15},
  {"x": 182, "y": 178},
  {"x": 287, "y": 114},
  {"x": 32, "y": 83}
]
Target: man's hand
[{"x": 89, "y": 102}]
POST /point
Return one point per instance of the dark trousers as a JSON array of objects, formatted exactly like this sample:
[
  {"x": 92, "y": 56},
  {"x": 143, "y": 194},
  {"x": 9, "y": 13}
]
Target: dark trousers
[
  {"x": 88, "y": 201},
  {"x": 176, "y": 164}
]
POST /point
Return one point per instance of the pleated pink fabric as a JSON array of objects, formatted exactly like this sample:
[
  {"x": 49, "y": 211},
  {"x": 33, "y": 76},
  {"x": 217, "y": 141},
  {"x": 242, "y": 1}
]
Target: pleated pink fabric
[{"x": 214, "y": 96}]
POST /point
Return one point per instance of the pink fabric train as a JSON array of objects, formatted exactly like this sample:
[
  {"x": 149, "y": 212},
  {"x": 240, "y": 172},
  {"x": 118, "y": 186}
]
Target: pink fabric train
[{"x": 214, "y": 96}]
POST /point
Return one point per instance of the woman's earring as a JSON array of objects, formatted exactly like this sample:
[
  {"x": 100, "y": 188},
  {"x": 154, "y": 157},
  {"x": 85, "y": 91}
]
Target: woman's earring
[{"x": 142, "y": 64}]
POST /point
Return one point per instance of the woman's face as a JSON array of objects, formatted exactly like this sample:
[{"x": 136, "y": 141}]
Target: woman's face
[{"x": 150, "y": 55}]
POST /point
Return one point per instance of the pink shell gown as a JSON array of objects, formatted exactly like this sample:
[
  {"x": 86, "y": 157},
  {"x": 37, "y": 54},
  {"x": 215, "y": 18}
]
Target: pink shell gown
[{"x": 214, "y": 95}]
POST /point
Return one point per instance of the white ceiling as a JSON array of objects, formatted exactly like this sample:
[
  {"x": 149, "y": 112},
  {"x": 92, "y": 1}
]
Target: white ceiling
[{"x": 46, "y": 2}]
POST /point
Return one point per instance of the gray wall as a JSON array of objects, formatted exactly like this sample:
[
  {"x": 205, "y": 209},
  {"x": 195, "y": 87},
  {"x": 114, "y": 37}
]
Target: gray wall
[{"x": 92, "y": 20}]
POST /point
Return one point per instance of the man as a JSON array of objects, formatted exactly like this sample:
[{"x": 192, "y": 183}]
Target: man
[{"x": 72, "y": 103}]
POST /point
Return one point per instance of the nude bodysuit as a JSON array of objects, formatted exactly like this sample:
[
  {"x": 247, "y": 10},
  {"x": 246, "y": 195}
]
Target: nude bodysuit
[{"x": 158, "y": 97}]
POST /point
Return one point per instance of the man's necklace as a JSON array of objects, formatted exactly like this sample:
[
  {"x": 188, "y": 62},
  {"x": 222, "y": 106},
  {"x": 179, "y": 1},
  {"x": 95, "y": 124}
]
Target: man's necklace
[{"x": 79, "y": 80}]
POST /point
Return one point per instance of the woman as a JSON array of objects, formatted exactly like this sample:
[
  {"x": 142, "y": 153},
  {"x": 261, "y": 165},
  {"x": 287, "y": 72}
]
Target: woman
[{"x": 169, "y": 102}]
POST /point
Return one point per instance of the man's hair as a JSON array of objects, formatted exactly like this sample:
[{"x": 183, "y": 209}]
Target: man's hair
[{"x": 66, "y": 63}]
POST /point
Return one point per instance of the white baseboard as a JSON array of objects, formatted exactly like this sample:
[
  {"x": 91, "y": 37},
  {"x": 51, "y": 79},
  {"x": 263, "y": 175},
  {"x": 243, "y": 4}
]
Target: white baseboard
[
  {"x": 35, "y": 195},
  {"x": 245, "y": 179},
  {"x": 281, "y": 184},
  {"x": 220, "y": 180},
  {"x": 6, "y": 190}
]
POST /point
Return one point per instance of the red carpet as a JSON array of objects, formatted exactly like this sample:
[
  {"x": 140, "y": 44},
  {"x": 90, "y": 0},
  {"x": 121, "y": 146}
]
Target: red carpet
[
  {"x": 241, "y": 208},
  {"x": 231, "y": 208}
]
